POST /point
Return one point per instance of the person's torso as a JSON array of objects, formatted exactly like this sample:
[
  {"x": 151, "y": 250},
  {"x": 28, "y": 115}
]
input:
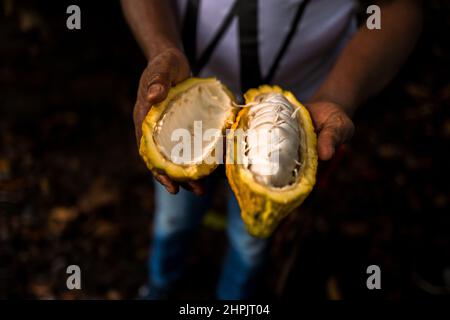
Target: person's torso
[{"x": 228, "y": 51}]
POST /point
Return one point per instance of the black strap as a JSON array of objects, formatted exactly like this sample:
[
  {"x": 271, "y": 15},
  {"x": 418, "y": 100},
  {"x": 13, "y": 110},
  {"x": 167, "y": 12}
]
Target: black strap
[
  {"x": 250, "y": 74},
  {"x": 247, "y": 11},
  {"x": 286, "y": 42},
  {"x": 204, "y": 58},
  {"x": 189, "y": 33}
]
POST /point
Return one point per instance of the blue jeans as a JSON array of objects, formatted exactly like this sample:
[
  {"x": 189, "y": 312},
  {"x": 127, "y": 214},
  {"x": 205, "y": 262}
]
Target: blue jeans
[{"x": 176, "y": 218}]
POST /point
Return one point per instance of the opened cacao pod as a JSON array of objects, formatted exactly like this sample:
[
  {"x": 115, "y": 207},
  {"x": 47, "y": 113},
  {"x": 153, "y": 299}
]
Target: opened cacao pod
[
  {"x": 271, "y": 156},
  {"x": 205, "y": 102}
]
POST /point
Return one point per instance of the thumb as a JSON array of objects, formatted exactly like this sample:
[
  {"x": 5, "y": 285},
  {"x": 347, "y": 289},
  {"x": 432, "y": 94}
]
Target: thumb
[
  {"x": 167, "y": 69},
  {"x": 326, "y": 143},
  {"x": 158, "y": 85},
  {"x": 153, "y": 88},
  {"x": 155, "y": 92}
]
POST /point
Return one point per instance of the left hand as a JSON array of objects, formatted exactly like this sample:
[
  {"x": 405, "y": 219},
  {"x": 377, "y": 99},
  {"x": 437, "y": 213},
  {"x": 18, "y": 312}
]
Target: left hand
[{"x": 333, "y": 126}]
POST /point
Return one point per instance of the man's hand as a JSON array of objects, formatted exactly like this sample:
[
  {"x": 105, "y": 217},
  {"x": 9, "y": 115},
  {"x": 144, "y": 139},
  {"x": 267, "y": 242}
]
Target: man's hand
[
  {"x": 366, "y": 64},
  {"x": 333, "y": 126},
  {"x": 163, "y": 71}
]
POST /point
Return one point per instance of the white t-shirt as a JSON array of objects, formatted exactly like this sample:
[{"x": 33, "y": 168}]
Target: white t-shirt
[{"x": 323, "y": 30}]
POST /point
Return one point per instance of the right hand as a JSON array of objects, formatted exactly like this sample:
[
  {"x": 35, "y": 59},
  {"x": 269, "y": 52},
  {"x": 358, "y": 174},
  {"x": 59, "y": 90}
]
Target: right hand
[{"x": 163, "y": 71}]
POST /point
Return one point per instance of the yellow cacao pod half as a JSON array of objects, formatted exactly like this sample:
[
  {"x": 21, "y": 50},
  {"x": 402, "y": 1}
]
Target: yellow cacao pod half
[
  {"x": 194, "y": 106},
  {"x": 270, "y": 178}
]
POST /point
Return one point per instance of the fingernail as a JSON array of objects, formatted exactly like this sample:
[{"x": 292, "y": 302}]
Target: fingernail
[
  {"x": 173, "y": 189},
  {"x": 154, "y": 90}
]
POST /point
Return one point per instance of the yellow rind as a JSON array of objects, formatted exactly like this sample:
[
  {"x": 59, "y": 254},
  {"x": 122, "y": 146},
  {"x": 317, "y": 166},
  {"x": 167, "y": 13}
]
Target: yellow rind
[
  {"x": 263, "y": 208},
  {"x": 150, "y": 153}
]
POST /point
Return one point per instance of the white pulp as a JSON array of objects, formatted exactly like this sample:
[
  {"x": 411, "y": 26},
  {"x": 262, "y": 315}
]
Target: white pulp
[
  {"x": 273, "y": 141},
  {"x": 205, "y": 105}
]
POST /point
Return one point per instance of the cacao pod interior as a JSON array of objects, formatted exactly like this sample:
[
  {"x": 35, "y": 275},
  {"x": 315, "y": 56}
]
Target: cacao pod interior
[
  {"x": 202, "y": 107},
  {"x": 204, "y": 100},
  {"x": 274, "y": 141},
  {"x": 264, "y": 199}
]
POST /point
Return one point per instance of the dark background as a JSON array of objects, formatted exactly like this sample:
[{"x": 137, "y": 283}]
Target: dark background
[{"x": 73, "y": 189}]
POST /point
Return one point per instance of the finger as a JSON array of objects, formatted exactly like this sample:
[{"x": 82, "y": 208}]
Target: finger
[
  {"x": 192, "y": 187},
  {"x": 196, "y": 187},
  {"x": 170, "y": 186},
  {"x": 157, "y": 92},
  {"x": 154, "y": 87},
  {"x": 326, "y": 143},
  {"x": 159, "y": 80},
  {"x": 334, "y": 133}
]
